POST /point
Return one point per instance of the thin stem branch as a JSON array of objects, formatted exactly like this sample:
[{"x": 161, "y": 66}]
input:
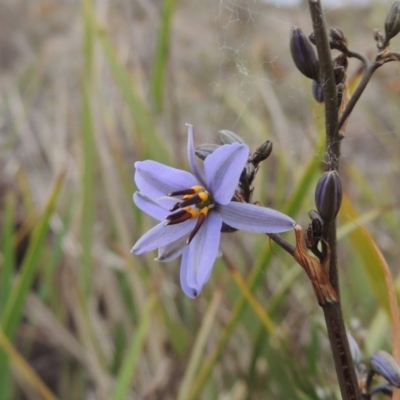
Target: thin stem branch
[
  {"x": 280, "y": 241},
  {"x": 359, "y": 56},
  {"x": 345, "y": 370},
  {"x": 359, "y": 91}
]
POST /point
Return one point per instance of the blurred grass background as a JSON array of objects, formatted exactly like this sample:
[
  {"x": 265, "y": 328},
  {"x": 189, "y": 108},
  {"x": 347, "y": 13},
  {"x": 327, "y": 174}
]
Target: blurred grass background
[{"x": 90, "y": 87}]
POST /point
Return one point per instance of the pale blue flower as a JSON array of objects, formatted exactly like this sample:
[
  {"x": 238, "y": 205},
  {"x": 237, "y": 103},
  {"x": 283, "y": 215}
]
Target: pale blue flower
[
  {"x": 192, "y": 208},
  {"x": 384, "y": 364}
]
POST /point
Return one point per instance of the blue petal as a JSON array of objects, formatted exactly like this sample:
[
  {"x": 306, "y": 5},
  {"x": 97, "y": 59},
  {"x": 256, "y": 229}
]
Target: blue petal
[
  {"x": 197, "y": 172},
  {"x": 155, "y": 180},
  {"x": 252, "y": 218},
  {"x": 223, "y": 169},
  {"x": 149, "y": 207},
  {"x": 172, "y": 250},
  {"x": 189, "y": 291},
  {"x": 203, "y": 251},
  {"x": 385, "y": 365},
  {"x": 162, "y": 235}
]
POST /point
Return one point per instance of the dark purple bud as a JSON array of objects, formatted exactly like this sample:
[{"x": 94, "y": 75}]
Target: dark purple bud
[
  {"x": 303, "y": 54},
  {"x": 383, "y": 364},
  {"x": 228, "y": 137},
  {"x": 314, "y": 231},
  {"x": 262, "y": 152},
  {"x": 205, "y": 150},
  {"x": 317, "y": 92},
  {"x": 392, "y": 22},
  {"x": 337, "y": 39},
  {"x": 328, "y": 195}
]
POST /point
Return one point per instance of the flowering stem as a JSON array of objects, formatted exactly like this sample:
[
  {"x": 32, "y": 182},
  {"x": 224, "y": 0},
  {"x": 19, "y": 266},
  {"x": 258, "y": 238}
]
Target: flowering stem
[
  {"x": 359, "y": 91},
  {"x": 282, "y": 243},
  {"x": 332, "y": 311}
]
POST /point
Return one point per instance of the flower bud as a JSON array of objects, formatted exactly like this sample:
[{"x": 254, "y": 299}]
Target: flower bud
[
  {"x": 382, "y": 363},
  {"x": 228, "y": 137},
  {"x": 262, "y": 152},
  {"x": 317, "y": 92},
  {"x": 328, "y": 195},
  {"x": 205, "y": 150},
  {"x": 337, "y": 39},
  {"x": 392, "y": 22},
  {"x": 303, "y": 54}
]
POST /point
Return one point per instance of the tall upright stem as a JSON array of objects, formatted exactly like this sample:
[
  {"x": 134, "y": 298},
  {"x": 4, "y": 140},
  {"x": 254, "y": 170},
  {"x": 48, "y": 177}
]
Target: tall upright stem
[{"x": 333, "y": 313}]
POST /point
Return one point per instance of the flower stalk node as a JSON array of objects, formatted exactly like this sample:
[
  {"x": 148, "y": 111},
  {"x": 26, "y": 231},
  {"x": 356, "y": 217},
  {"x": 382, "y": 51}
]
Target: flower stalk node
[{"x": 317, "y": 272}]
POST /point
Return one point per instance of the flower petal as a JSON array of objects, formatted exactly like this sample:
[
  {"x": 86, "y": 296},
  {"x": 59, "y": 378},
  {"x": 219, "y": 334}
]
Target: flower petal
[
  {"x": 203, "y": 251},
  {"x": 156, "y": 180},
  {"x": 197, "y": 172},
  {"x": 252, "y": 218},
  {"x": 172, "y": 250},
  {"x": 162, "y": 235},
  {"x": 149, "y": 207},
  {"x": 189, "y": 291},
  {"x": 222, "y": 170}
]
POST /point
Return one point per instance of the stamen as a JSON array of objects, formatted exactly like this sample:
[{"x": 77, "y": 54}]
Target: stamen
[
  {"x": 178, "y": 217},
  {"x": 192, "y": 190},
  {"x": 182, "y": 216},
  {"x": 199, "y": 223},
  {"x": 175, "y": 207},
  {"x": 197, "y": 196},
  {"x": 195, "y": 199}
]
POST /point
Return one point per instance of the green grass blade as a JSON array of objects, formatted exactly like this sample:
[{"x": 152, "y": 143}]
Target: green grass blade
[
  {"x": 13, "y": 309},
  {"x": 87, "y": 211},
  {"x": 24, "y": 369},
  {"x": 199, "y": 346},
  {"x": 365, "y": 248},
  {"x": 162, "y": 53},
  {"x": 88, "y": 151},
  {"x": 128, "y": 367},
  {"x": 8, "y": 265},
  {"x": 15, "y": 304},
  {"x": 146, "y": 136},
  {"x": 6, "y": 276}
]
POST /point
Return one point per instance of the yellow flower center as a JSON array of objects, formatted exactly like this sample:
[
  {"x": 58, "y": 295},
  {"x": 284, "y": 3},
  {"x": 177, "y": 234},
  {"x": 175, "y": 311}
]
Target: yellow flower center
[{"x": 196, "y": 203}]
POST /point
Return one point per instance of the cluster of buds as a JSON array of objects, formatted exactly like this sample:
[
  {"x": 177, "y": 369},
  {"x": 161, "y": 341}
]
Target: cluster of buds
[
  {"x": 306, "y": 61},
  {"x": 244, "y": 191}
]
